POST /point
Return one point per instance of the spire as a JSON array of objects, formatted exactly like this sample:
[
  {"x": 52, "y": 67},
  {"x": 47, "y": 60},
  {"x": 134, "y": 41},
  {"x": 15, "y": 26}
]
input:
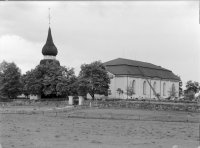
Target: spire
[
  {"x": 49, "y": 48},
  {"x": 49, "y": 38}
]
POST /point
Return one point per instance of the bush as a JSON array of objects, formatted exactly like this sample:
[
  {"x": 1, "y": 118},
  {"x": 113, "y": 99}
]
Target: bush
[{"x": 189, "y": 96}]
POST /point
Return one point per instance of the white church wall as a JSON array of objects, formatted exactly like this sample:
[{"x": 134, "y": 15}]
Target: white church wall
[
  {"x": 177, "y": 88},
  {"x": 143, "y": 95},
  {"x": 164, "y": 94},
  {"x": 139, "y": 82},
  {"x": 169, "y": 84},
  {"x": 130, "y": 82},
  {"x": 157, "y": 89},
  {"x": 139, "y": 87},
  {"x": 148, "y": 94},
  {"x": 122, "y": 82}
]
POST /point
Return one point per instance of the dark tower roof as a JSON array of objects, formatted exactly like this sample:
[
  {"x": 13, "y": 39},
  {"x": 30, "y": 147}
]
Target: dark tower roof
[{"x": 49, "y": 48}]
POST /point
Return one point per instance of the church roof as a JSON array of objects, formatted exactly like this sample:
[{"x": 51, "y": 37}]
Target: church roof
[
  {"x": 122, "y": 66},
  {"x": 49, "y": 48}
]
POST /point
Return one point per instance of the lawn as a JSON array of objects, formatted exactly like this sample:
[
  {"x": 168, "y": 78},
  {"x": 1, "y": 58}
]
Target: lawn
[{"x": 99, "y": 128}]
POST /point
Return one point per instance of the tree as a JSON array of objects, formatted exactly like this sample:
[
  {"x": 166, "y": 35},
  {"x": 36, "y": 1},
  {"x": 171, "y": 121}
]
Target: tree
[
  {"x": 66, "y": 85},
  {"x": 50, "y": 79},
  {"x": 191, "y": 89},
  {"x": 10, "y": 80},
  {"x": 24, "y": 88},
  {"x": 33, "y": 82},
  {"x": 93, "y": 79},
  {"x": 180, "y": 87},
  {"x": 130, "y": 90},
  {"x": 3, "y": 66},
  {"x": 120, "y": 91}
]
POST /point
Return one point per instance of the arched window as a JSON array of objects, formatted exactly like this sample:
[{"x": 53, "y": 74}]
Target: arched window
[
  {"x": 144, "y": 88},
  {"x": 154, "y": 87},
  {"x": 164, "y": 89},
  {"x": 173, "y": 90},
  {"x": 133, "y": 86},
  {"x": 173, "y": 85}
]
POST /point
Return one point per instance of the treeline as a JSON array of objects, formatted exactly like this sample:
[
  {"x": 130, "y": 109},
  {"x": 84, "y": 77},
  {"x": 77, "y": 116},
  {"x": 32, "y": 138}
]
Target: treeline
[{"x": 50, "y": 79}]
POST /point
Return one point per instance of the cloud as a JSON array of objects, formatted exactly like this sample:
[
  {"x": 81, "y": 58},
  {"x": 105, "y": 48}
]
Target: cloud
[
  {"x": 23, "y": 19},
  {"x": 87, "y": 31},
  {"x": 24, "y": 53}
]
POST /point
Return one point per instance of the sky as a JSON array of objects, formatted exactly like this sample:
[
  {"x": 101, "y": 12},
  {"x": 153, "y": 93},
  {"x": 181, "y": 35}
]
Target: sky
[{"x": 164, "y": 33}]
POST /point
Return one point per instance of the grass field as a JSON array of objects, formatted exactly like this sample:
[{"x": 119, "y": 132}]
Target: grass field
[{"x": 101, "y": 128}]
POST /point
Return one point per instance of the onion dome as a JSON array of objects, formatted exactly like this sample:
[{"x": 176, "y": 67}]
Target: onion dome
[{"x": 49, "y": 48}]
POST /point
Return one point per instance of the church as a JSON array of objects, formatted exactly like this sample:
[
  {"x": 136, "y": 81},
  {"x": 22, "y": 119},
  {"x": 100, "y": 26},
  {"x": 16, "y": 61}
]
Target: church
[
  {"x": 145, "y": 79},
  {"x": 49, "y": 52}
]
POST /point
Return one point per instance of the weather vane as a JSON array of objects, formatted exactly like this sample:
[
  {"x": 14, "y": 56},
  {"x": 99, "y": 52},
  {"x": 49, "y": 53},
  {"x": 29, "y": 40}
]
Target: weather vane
[{"x": 49, "y": 17}]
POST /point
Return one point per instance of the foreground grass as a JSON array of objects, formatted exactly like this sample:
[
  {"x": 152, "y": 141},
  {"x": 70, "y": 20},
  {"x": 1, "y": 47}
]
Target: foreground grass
[{"x": 49, "y": 131}]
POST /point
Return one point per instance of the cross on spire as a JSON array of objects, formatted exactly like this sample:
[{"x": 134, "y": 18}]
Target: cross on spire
[{"x": 49, "y": 17}]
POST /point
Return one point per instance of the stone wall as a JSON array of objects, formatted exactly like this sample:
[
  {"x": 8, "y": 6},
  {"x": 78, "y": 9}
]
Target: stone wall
[
  {"x": 34, "y": 103},
  {"x": 192, "y": 107}
]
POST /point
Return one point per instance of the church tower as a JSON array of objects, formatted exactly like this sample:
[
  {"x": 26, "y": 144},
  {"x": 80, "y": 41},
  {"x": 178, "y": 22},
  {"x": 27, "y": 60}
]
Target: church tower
[{"x": 49, "y": 50}]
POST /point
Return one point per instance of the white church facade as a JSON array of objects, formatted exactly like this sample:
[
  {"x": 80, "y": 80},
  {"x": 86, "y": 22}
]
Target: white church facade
[{"x": 145, "y": 79}]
